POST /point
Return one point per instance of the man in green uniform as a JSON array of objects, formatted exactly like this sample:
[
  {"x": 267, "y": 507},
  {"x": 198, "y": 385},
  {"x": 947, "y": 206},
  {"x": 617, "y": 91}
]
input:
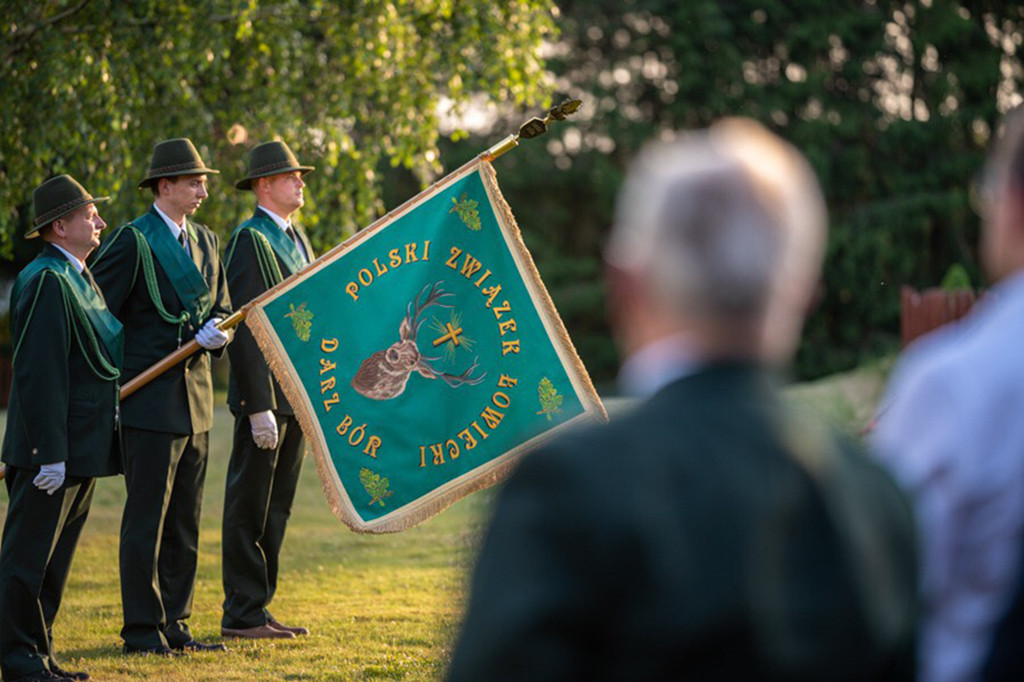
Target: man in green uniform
[
  {"x": 61, "y": 423},
  {"x": 163, "y": 278},
  {"x": 707, "y": 534},
  {"x": 267, "y": 453}
]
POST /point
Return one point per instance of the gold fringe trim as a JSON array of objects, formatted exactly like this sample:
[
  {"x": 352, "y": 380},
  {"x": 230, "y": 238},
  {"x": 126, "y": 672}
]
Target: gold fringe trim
[
  {"x": 484, "y": 476},
  {"x": 273, "y": 352},
  {"x": 571, "y": 361}
]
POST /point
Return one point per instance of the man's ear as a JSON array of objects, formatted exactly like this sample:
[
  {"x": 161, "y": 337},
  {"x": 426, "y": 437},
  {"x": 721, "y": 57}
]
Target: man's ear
[
  {"x": 1015, "y": 206},
  {"x": 622, "y": 291},
  {"x": 58, "y": 228},
  {"x": 617, "y": 283}
]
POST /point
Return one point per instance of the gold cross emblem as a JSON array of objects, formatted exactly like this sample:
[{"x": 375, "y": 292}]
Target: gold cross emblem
[{"x": 452, "y": 334}]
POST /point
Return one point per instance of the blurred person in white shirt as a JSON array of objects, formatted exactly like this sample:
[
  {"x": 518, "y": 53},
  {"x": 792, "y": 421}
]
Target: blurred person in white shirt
[{"x": 952, "y": 435}]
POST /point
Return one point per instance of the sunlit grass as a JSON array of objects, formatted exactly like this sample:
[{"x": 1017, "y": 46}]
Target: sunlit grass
[
  {"x": 380, "y": 607},
  {"x": 849, "y": 400}
]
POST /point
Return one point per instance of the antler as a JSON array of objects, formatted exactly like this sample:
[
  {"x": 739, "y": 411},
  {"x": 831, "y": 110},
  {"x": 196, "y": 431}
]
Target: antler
[
  {"x": 454, "y": 380},
  {"x": 415, "y": 308}
]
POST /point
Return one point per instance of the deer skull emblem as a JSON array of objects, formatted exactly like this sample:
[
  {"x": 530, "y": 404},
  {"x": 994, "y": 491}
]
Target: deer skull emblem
[{"x": 385, "y": 374}]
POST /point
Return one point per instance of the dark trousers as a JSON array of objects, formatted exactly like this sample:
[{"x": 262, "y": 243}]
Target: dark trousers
[
  {"x": 257, "y": 503},
  {"x": 40, "y": 536},
  {"x": 165, "y": 474}
]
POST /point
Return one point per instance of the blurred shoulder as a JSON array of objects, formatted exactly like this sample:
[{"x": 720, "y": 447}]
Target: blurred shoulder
[
  {"x": 201, "y": 229},
  {"x": 244, "y": 228},
  {"x": 243, "y": 234},
  {"x": 43, "y": 283},
  {"x": 597, "y": 456},
  {"x": 122, "y": 238},
  {"x": 962, "y": 365},
  {"x": 204, "y": 234},
  {"x": 858, "y": 462}
]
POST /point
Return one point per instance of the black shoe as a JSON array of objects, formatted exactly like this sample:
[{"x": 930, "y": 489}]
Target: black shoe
[
  {"x": 60, "y": 672},
  {"x": 41, "y": 676},
  {"x": 160, "y": 650},
  {"x": 192, "y": 645}
]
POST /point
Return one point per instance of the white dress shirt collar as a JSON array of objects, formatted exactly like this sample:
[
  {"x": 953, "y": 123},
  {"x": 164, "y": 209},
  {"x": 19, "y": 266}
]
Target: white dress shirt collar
[
  {"x": 657, "y": 365},
  {"x": 78, "y": 265},
  {"x": 281, "y": 222},
  {"x": 175, "y": 229}
]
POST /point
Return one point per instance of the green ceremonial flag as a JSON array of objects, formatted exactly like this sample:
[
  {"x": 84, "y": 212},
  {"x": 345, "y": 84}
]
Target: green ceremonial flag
[{"x": 423, "y": 356}]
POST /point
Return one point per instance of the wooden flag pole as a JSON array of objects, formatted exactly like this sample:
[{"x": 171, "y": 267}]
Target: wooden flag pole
[{"x": 532, "y": 128}]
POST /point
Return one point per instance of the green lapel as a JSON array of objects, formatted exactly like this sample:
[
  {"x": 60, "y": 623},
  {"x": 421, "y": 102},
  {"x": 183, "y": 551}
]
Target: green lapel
[
  {"x": 106, "y": 326},
  {"x": 284, "y": 247},
  {"x": 185, "y": 276}
]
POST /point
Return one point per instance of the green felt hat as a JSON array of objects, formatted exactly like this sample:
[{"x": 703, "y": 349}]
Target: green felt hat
[
  {"x": 270, "y": 158},
  {"x": 172, "y": 158},
  {"x": 55, "y": 198}
]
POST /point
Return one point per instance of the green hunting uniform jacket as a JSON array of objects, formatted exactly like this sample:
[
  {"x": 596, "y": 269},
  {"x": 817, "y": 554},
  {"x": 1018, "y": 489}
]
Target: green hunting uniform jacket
[
  {"x": 258, "y": 256},
  {"x": 180, "y": 401},
  {"x": 60, "y": 410},
  {"x": 703, "y": 536}
]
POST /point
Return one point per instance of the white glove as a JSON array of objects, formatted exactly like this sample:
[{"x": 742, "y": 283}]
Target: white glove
[
  {"x": 211, "y": 338},
  {"x": 264, "y": 429},
  {"x": 50, "y": 477}
]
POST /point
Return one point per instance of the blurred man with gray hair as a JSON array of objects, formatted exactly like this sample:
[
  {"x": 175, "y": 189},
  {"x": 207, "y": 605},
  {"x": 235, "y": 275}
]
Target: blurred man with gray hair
[{"x": 707, "y": 534}]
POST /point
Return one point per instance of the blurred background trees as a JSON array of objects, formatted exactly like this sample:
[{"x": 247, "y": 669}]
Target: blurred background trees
[
  {"x": 88, "y": 86},
  {"x": 893, "y": 102}
]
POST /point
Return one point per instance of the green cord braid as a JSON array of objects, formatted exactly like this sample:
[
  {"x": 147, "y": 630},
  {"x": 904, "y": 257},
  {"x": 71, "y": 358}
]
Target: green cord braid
[
  {"x": 145, "y": 255},
  {"x": 72, "y": 306},
  {"x": 269, "y": 270},
  {"x": 268, "y": 262},
  {"x": 106, "y": 371},
  {"x": 28, "y": 319}
]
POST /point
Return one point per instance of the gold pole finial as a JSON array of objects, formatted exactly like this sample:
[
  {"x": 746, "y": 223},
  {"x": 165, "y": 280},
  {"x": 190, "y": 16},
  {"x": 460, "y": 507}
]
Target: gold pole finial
[{"x": 533, "y": 128}]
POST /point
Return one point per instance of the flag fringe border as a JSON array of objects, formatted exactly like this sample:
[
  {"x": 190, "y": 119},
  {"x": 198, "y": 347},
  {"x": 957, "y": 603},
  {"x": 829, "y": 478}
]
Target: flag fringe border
[{"x": 486, "y": 475}]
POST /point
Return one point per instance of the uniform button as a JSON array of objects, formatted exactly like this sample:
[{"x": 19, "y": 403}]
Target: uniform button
[
  {"x": 35, "y": 451},
  {"x": 243, "y": 403},
  {"x": 186, "y": 371}
]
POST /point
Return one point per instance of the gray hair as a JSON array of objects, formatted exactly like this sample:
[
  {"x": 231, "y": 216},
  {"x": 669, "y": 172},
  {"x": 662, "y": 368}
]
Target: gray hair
[{"x": 724, "y": 223}]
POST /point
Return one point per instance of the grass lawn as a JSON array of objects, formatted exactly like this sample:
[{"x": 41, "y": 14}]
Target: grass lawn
[
  {"x": 380, "y": 607},
  {"x": 847, "y": 401}
]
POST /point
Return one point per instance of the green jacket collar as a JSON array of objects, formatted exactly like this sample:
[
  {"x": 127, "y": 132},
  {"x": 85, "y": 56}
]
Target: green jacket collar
[
  {"x": 283, "y": 246},
  {"x": 107, "y": 327}
]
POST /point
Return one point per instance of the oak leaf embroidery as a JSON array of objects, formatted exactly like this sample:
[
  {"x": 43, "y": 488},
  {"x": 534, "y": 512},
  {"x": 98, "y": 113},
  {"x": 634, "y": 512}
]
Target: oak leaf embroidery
[
  {"x": 376, "y": 487},
  {"x": 550, "y": 398},
  {"x": 466, "y": 208},
  {"x": 302, "y": 320}
]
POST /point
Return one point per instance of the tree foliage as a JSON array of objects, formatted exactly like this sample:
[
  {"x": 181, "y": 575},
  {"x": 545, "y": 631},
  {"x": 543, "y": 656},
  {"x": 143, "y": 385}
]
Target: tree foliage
[
  {"x": 354, "y": 86},
  {"x": 893, "y": 102}
]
